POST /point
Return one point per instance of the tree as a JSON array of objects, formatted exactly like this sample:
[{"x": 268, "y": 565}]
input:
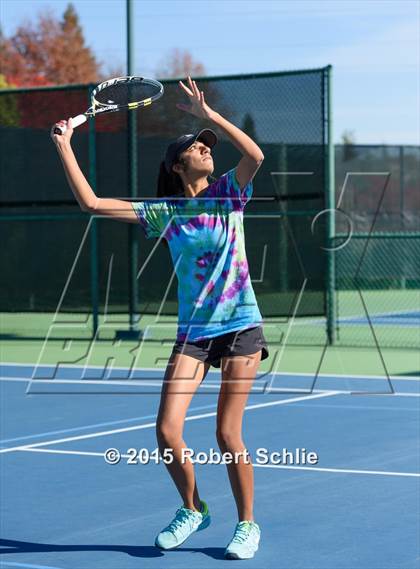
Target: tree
[
  {"x": 348, "y": 141},
  {"x": 164, "y": 119},
  {"x": 9, "y": 114},
  {"x": 180, "y": 64},
  {"x": 11, "y": 60},
  {"x": 248, "y": 126},
  {"x": 113, "y": 69},
  {"x": 348, "y": 137},
  {"x": 48, "y": 52}
]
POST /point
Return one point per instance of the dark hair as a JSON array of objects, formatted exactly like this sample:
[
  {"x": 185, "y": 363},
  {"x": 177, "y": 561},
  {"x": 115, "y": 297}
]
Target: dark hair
[{"x": 170, "y": 185}]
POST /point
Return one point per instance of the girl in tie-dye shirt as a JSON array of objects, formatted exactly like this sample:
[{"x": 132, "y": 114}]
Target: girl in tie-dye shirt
[
  {"x": 202, "y": 224},
  {"x": 205, "y": 235}
]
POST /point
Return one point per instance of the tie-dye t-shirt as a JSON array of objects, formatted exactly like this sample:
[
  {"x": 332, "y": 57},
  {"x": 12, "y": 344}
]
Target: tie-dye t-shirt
[{"x": 205, "y": 235}]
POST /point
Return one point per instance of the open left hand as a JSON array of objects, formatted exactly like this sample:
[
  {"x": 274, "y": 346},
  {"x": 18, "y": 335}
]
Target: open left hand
[{"x": 197, "y": 107}]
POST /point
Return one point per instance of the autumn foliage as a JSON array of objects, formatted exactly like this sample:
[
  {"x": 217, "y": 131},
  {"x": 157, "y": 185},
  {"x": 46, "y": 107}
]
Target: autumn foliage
[
  {"x": 180, "y": 63},
  {"x": 48, "y": 52},
  {"x": 53, "y": 52}
]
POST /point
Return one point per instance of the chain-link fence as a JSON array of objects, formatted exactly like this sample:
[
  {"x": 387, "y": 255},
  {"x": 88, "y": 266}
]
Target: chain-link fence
[
  {"x": 378, "y": 269},
  {"x": 56, "y": 257},
  {"x": 378, "y": 283}
]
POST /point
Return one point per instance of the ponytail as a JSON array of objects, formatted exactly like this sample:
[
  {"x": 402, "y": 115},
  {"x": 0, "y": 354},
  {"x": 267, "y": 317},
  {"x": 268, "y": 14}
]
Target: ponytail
[{"x": 168, "y": 184}]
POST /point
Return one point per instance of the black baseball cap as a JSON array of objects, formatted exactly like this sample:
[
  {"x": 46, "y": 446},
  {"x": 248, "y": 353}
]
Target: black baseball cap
[{"x": 185, "y": 141}]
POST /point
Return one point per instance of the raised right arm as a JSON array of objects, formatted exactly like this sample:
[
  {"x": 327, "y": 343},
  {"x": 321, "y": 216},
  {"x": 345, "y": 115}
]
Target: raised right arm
[{"x": 87, "y": 199}]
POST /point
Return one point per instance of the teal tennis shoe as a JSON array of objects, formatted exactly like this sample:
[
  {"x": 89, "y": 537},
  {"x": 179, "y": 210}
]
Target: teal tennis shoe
[
  {"x": 244, "y": 542},
  {"x": 185, "y": 523}
]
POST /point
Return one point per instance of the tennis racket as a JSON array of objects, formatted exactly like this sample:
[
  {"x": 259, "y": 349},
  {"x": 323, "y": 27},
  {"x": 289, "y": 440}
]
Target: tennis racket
[{"x": 118, "y": 94}]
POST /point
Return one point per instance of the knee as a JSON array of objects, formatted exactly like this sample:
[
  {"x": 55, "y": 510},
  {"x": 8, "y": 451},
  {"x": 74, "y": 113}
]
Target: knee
[
  {"x": 168, "y": 432},
  {"x": 228, "y": 438}
]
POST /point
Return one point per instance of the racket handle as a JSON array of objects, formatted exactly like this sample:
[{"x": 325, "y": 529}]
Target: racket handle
[{"x": 76, "y": 121}]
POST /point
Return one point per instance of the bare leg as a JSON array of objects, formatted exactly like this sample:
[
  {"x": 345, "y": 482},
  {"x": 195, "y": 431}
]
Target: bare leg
[
  {"x": 182, "y": 378},
  {"x": 238, "y": 374}
]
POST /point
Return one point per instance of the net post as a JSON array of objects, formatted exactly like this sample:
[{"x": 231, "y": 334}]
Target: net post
[
  {"x": 94, "y": 285},
  {"x": 330, "y": 199}
]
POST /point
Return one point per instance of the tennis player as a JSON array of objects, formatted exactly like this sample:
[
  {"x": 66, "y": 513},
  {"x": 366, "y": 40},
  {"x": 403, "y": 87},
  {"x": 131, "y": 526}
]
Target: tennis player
[{"x": 219, "y": 322}]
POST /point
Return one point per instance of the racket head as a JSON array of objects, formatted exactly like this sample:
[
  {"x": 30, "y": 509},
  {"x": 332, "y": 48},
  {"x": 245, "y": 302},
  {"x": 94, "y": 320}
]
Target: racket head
[{"x": 129, "y": 92}]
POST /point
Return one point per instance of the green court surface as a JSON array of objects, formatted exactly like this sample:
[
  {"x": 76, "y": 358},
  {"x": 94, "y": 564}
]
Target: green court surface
[{"x": 32, "y": 338}]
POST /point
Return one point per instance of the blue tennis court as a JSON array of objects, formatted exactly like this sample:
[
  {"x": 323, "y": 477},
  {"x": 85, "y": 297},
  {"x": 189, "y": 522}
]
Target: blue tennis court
[
  {"x": 409, "y": 318},
  {"x": 64, "y": 506},
  {"x": 267, "y": 215}
]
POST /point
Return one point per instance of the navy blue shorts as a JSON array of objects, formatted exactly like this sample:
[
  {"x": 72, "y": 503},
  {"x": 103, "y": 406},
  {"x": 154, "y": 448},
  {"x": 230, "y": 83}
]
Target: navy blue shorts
[{"x": 238, "y": 343}]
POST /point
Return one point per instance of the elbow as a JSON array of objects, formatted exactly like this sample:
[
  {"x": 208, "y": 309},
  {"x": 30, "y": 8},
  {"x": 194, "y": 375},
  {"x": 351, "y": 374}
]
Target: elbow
[
  {"x": 255, "y": 159},
  {"x": 89, "y": 207},
  {"x": 86, "y": 208},
  {"x": 258, "y": 158}
]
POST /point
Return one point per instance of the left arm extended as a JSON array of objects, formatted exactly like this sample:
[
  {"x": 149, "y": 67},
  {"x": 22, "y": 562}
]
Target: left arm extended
[{"x": 251, "y": 152}]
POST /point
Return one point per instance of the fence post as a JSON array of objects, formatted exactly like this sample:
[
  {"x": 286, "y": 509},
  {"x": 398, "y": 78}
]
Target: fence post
[
  {"x": 330, "y": 195},
  {"x": 94, "y": 269},
  {"x": 133, "y": 333},
  {"x": 402, "y": 186},
  {"x": 283, "y": 220}
]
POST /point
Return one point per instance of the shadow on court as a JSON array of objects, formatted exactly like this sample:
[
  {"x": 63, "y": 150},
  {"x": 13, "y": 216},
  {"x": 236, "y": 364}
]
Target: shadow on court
[{"x": 9, "y": 546}]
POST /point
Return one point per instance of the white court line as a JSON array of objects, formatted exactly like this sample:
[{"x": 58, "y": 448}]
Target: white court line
[
  {"x": 139, "y": 381},
  {"x": 340, "y": 470},
  {"x": 257, "y": 388},
  {"x": 24, "y": 565},
  {"x": 104, "y": 382},
  {"x": 59, "y": 451},
  {"x": 97, "y": 425},
  {"x": 162, "y": 369},
  {"x": 285, "y": 391},
  {"x": 285, "y": 467},
  {"x": 149, "y": 425},
  {"x": 158, "y": 383},
  {"x": 357, "y": 316}
]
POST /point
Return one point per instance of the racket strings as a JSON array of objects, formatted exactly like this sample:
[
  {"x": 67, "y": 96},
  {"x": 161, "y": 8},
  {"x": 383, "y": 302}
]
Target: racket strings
[{"x": 126, "y": 93}]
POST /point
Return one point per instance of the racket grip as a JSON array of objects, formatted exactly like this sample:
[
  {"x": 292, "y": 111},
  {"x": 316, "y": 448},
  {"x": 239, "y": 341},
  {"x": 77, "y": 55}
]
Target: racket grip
[{"x": 76, "y": 121}]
